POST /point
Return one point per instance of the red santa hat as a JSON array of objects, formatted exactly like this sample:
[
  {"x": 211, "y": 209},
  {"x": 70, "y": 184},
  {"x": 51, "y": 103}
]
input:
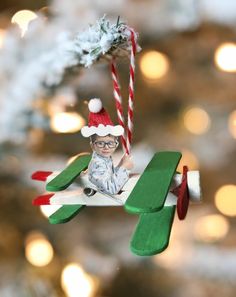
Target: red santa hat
[{"x": 99, "y": 121}]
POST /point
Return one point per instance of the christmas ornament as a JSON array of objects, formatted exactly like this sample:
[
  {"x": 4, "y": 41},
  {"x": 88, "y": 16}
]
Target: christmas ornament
[{"x": 152, "y": 196}]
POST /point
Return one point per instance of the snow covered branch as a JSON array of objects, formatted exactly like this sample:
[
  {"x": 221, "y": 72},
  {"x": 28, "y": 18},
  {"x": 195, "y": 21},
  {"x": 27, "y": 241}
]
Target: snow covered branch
[{"x": 30, "y": 66}]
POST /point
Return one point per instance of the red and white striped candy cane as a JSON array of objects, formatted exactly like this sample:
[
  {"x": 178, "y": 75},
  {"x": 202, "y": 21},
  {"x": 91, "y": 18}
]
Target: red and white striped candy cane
[
  {"x": 126, "y": 142},
  {"x": 118, "y": 101},
  {"x": 130, "y": 124}
]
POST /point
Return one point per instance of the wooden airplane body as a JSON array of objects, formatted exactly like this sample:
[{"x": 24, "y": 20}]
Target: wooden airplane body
[{"x": 152, "y": 195}]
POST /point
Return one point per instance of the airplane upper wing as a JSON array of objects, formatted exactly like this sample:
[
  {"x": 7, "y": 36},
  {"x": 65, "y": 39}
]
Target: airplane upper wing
[{"x": 152, "y": 188}]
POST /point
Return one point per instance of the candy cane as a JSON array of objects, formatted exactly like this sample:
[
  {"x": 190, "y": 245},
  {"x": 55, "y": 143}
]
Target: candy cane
[
  {"x": 118, "y": 101},
  {"x": 130, "y": 124},
  {"x": 126, "y": 142}
]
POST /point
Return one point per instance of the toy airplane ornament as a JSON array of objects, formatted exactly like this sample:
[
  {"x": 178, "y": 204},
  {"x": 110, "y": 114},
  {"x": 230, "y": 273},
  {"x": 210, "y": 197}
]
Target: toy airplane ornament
[{"x": 154, "y": 195}]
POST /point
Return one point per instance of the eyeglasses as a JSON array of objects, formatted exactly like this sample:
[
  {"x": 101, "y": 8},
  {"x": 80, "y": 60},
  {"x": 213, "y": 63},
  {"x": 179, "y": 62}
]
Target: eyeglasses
[{"x": 110, "y": 144}]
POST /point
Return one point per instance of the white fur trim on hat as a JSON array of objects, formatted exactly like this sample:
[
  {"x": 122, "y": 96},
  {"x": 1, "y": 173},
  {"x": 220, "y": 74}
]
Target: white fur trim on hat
[
  {"x": 102, "y": 130},
  {"x": 95, "y": 105}
]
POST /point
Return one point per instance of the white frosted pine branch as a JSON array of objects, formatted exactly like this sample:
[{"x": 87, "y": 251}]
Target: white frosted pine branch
[{"x": 30, "y": 66}]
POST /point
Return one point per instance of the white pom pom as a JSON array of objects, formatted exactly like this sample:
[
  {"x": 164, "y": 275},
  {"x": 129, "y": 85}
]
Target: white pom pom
[{"x": 95, "y": 105}]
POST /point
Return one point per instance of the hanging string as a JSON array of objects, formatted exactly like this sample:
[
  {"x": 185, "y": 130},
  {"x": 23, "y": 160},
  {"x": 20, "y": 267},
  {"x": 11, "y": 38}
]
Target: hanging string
[
  {"x": 130, "y": 124},
  {"x": 118, "y": 102},
  {"x": 126, "y": 141}
]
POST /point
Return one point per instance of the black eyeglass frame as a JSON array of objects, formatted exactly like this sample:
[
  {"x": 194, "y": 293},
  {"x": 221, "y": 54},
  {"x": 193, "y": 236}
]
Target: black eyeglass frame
[{"x": 116, "y": 143}]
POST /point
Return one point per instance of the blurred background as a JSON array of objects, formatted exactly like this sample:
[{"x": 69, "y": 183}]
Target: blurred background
[{"x": 184, "y": 100}]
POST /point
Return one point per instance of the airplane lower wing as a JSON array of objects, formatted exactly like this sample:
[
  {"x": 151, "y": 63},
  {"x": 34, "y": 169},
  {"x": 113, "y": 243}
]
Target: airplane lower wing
[
  {"x": 152, "y": 232},
  {"x": 65, "y": 213}
]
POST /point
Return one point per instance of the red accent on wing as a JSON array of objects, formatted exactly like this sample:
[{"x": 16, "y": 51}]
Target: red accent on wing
[
  {"x": 43, "y": 199},
  {"x": 41, "y": 175},
  {"x": 183, "y": 196}
]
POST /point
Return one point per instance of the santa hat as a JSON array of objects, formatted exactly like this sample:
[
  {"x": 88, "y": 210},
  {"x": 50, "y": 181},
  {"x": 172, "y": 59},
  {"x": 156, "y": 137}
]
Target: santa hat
[{"x": 100, "y": 122}]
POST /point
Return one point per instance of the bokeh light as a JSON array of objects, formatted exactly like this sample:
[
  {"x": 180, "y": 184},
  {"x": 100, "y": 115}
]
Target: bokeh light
[
  {"x": 196, "y": 120},
  {"x": 225, "y": 200},
  {"x": 189, "y": 159},
  {"x": 67, "y": 122},
  {"x": 174, "y": 256},
  {"x": 211, "y": 228},
  {"x": 38, "y": 250},
  {"x": 225, "y": 57},
  {"x": 45, "y": 11},
  {"x": 154, "y": 65},
  {"x": 75, "y": 282},
  {"x": 232, "y": 123},
  {"x": 71, "y": 159},
  {"x": 48, "y": 210},
  {"x": 22, "y": 18},
  {"x": 2, "y": 36}
]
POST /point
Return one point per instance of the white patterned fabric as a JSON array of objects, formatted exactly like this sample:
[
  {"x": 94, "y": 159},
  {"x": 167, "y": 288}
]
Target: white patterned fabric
[{"x": 105, "y": 176}]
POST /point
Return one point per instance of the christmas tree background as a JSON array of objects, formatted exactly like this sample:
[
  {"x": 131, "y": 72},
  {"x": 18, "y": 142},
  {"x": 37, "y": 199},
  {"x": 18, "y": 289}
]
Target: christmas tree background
[{"x": 184, "y": 100}]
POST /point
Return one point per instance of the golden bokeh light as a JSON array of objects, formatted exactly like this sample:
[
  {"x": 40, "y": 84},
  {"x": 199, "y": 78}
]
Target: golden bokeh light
[
  {"x": 38, "y": 250},
  {"x": 189, "y": 159},
  {"x": 2, "y": 36},
  {"x": 45, "y": 11},
  {"x": 232, "y": 124},
  {"x": 22, "y": 18},
  {"x": 225, "y": 57},
  {"x": 196, "y": 120},
  {"x": 177, "y": 253},
  {"x": 66, "y": 122},
  {"x": 154, "y": 65},
  {"x": 75, "y": 282},
  {"x": 170, "y": 257},
  {"x": 71, "y": 159},
  {"x": 225, "y": 200},
  {"x": 48, "y": 210},
  {"x": 211, "y": 228}
]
